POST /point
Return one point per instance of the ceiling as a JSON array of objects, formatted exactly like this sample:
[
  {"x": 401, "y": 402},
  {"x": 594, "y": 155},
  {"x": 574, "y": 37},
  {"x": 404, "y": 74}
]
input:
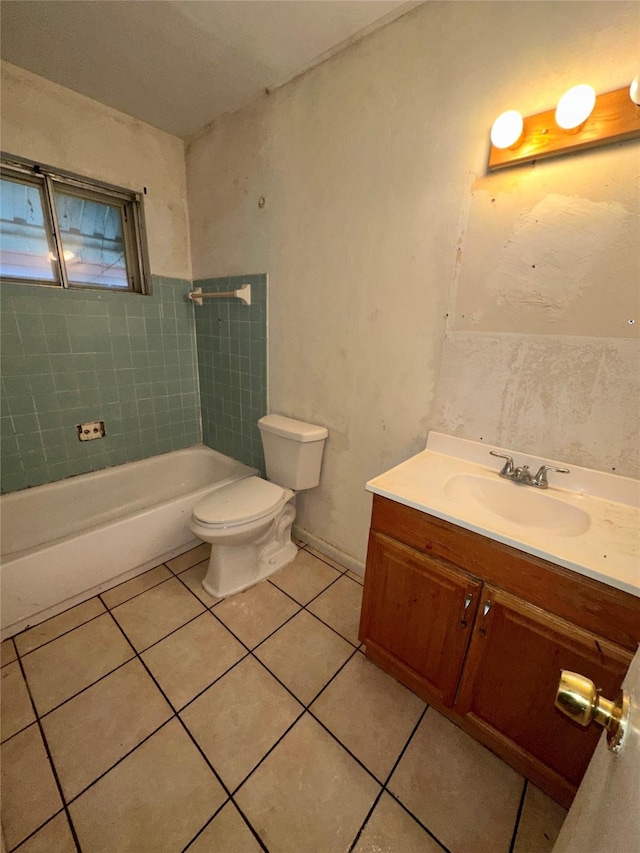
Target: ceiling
[{"x": 178, "y": 64}]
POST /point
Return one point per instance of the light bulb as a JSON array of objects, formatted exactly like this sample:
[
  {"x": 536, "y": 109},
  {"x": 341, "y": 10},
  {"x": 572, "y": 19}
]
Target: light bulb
[
  {"x": 575, "y": 107},
  {"x": 634, "y": 90},
  {"x": 507, "y": 130},
  {"x": 66, "y": 254}
]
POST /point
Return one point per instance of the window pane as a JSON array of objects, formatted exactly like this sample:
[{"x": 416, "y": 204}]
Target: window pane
[
  {"x": 92, "y": 240},
  {"x": 24, "y": 245}
]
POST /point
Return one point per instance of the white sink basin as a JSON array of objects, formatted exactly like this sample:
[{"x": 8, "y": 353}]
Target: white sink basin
[
  {"x": 587, "y": 521},
  {"x": 521, "y": 505}
]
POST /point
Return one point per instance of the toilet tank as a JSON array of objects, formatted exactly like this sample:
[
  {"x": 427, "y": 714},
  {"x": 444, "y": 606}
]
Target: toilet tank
[{"x": 292, "y": 451}]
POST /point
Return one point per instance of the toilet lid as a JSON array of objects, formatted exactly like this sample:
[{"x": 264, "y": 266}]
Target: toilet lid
[{"x": 244, "y": 500}]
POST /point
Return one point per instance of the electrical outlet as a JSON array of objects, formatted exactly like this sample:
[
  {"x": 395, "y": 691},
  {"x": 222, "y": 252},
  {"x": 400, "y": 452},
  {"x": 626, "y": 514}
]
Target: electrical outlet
[{"x": 91, "y": 430}]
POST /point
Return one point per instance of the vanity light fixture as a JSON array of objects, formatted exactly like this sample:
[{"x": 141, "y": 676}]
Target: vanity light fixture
[
  {"x": 582, "y": 120},
  {"x": 507, "y": 130},
  {"x": 575, "y": 107}
]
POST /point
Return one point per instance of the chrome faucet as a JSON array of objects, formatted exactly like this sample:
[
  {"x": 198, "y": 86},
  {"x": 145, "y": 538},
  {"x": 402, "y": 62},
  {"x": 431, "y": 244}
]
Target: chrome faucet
[{"x": 523, "y": 475}]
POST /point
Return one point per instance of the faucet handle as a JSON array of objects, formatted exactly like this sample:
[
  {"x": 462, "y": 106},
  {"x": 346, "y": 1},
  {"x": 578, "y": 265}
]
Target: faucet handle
[
  {"x": 508, "y": 465},
  {"x": 540, "y": 480}
]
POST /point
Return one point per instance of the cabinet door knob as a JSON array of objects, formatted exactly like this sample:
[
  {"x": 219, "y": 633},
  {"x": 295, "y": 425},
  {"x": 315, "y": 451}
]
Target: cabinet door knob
[
  {"x": 485, "y": 609},
  {"x": 578, "y": 698},
  {"x": 467, "y": 603}
]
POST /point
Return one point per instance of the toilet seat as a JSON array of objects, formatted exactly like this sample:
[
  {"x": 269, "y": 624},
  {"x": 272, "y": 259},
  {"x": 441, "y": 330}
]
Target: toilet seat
[{"x": 240, "y": 502}]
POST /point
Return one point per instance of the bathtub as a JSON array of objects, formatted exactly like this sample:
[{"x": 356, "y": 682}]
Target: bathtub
[{"x": 66, "y": 541}]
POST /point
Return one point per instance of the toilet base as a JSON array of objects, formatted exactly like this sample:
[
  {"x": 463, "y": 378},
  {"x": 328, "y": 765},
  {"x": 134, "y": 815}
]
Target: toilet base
[{"x": 233, "y": 568}]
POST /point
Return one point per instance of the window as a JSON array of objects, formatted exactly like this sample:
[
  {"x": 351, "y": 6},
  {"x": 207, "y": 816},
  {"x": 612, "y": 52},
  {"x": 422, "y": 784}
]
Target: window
[{"x": 59, "y": 229}]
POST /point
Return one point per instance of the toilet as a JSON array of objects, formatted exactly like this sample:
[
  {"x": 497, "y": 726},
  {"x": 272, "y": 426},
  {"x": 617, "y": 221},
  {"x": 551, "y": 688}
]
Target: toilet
[{"x": 248, "y": 522}]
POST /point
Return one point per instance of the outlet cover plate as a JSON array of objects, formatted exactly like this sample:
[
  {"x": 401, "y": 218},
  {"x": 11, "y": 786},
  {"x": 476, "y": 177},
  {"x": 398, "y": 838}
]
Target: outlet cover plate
[{"x": 91, "y": 430}]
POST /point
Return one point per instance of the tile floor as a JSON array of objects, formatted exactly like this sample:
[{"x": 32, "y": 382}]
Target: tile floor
[{"x": 156, "y": 718}]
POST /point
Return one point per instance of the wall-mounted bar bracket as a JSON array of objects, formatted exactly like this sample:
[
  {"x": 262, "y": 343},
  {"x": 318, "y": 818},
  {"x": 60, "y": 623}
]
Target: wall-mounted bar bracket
[{"x": 243, "y": 294}]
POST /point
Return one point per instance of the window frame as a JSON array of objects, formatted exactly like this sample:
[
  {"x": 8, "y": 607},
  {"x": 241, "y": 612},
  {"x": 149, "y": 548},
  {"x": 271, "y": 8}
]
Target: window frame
[{"x": 129, "y": 202}]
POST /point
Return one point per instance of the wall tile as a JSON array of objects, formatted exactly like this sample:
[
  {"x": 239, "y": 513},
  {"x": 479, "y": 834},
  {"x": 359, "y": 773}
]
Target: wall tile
[
  {"x": 232, "y": 365},
  {"x": 83, "y": 355}
]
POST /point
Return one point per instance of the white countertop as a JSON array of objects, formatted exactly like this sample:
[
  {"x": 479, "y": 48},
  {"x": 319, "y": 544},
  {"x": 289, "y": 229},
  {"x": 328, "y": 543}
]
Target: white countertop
[{"x": 608, "y": 550}]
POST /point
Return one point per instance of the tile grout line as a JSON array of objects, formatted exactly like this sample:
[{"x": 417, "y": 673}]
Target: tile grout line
[
  {"x": 384, "y": 788},
  {"x": 98, "y": 596},
  {"x": 176, "y": 714},
  {"x": 516, "y": 826},
  {"x": 393, "y": 770},
  {"x": 175, "y": 630},
  {"x": 183, "y": 725},
  {"x": 305, "y": 709},
  {"x": 35, "y": 831},
  {"x": 51, "y": 763},
  {"x": 63, "y": 634},
  {"x": 119, "y": 761},
  {"x": 15, "y": 651},
  {"x": 215, "y": 815},
  {"x": 417, "y": 820},
  {"x": 306, "y": 606}
]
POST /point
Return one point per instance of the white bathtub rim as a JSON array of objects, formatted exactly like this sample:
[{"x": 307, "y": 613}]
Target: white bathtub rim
[
  {"x": 96, "y": 477},
  {"x": 39, "y": 582},
  {"x": 9, "y": 557}
]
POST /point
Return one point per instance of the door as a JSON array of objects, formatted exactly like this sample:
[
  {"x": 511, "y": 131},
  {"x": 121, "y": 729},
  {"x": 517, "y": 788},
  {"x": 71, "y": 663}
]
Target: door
[
  {"x": 509, "y": 685},
  {"x": 605, "y": 815},
  {"x": 417, "y": 614}
]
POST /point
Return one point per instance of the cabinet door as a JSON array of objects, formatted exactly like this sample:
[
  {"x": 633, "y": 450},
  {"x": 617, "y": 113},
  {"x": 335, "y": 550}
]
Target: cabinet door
[
  {"x": 509, "y": 686},
  {"x": 417, "y": 614}
]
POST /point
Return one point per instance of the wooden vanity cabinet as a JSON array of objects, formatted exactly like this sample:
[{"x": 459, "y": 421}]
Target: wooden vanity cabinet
[
  {"x": 419, "y": 616},
  {"x": 481, "y": 631}
]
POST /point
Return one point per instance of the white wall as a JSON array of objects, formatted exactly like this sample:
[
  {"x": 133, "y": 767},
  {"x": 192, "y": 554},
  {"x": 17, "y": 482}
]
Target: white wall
[
  {"x": 50, "y": 124},
  {"x": 379, "y": 221}
]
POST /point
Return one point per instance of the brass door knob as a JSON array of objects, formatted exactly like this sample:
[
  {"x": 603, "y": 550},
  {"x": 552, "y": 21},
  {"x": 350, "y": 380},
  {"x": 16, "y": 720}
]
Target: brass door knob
[{"x": 578, "y": 698}]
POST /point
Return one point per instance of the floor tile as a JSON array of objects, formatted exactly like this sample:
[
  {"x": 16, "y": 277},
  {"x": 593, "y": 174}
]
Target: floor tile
[
  {"x": 60, "y": 669},
  {"x": 29, "y": 792},
  {"x": 58, "y": 625},
  {"x": 191, "y": 658},
  {"x": 355, "y": 577},
  {"x": 193, "y": 579},
  {"x": 88, "y": 734},
  {"x": 339, "y": 606},
  {"x": 305, "y": 577},
  {"x": 465, "y": 795},
  {"x": 189, "y": 558},
  {"x": 540, "y": 822},
  {"x": 16, "y": 712},
  {"x": 124, "y": 591},
  {"x": 238, "y": 719},
  {"x": 154, "y": 801},
  {"x": 255, "y": 613},
  {"x": 54, "y": 837},
  {"x": 391, "y": 830},
  {"x": 308, "y": 794},
  {"x": 304, "y": 654},
  {"x": 370, "y": 712},
  {"x": 7, "y": 652},
  {"x": 325, "y": 559},
  {"x": 154, "y": 614},
  {"x": 227, "y": 833}
]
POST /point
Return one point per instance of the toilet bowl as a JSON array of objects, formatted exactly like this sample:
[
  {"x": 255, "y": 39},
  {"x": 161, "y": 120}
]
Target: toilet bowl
[{"x": 248, "y": 522}]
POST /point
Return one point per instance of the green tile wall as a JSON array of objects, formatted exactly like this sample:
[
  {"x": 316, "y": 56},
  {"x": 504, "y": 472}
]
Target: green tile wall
[
  {"x": 69, "y": 357},
  {"x": 232, "y": 364}
]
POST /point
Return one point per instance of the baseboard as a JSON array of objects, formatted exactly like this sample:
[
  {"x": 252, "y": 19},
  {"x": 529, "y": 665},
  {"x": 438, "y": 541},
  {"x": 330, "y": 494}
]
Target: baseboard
[{"x": 336, "y": 554}]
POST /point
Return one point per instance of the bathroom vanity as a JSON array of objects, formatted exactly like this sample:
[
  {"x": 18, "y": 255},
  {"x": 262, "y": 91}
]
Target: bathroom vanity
[{"x": 478, "y": 611}]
